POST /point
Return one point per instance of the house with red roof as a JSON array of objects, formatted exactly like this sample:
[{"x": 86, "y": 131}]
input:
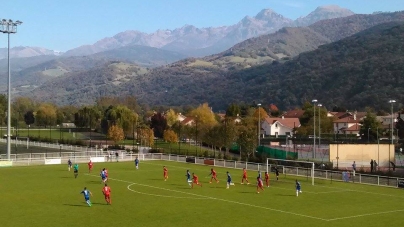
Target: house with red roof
[
  {"x": 347, "y": 125},
  {"x": 297, "y": 113},
  {"x": 188, "y": 121},
  {"x": 279, "y": 126}
]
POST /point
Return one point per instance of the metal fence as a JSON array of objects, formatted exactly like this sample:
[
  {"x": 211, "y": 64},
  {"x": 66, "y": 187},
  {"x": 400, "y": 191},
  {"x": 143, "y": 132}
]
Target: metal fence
[
  {"x": 84, "y": 157},
  {"x": 61, "y": 147}
]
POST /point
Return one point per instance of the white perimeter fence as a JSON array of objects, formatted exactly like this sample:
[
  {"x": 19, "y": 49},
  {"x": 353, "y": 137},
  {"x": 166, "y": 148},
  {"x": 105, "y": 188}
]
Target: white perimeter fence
[{"x": 84, "y": 157}]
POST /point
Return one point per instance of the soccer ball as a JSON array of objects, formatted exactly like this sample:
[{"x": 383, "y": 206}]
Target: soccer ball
[{"x": 300, "y": 191}]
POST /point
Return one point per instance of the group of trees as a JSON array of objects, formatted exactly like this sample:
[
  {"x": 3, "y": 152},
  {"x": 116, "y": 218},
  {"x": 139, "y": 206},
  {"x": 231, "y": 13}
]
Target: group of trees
[
  {"x": 123, "y": 118},
  {"x": 116, "y": 117},
  {"x": 221, "y": 132}
]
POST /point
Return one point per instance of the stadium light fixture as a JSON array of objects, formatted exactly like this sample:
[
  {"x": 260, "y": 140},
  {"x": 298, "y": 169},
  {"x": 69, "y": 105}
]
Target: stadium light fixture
[{"x": 9, "y": 27}]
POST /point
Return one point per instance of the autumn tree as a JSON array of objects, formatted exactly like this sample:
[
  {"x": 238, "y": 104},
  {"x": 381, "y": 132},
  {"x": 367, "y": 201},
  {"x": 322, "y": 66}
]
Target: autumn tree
[
  {"x": 22, "y": 105},
  {"x": 274, "y": 111},
  {"x": 204, "y": 119},
  {"x": 171, "y": 117},
  {"x": 115, "y": 133},
  {"x": 120, "y": 116},
  {"x": 146, "y": 136},
  {"x": 170, "y": 136},
  {"x": 260, "y": 112},
  {"x": 46, "y": 114}
]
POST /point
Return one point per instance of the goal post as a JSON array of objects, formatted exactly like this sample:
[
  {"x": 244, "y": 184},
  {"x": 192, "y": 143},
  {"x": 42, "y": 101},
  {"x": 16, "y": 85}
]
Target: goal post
[{"x": 292, "y": 167}]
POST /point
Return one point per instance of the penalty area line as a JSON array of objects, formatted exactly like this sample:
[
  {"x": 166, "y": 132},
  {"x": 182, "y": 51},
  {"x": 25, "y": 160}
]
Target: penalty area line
[{"x": 218, "y": 199}]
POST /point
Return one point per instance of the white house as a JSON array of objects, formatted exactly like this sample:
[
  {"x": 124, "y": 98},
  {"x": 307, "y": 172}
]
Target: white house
[
  {"x": 386, "y": 120},
  {"x": 275, "y": 126},
  {"x": 188, "y": 121},
  {"x": 180, "y": 117}
]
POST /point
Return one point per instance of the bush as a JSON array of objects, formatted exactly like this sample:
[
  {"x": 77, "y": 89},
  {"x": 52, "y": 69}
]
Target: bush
[
  {"x": 156, "y": 150},
  {"x": 219, "y": 156}
]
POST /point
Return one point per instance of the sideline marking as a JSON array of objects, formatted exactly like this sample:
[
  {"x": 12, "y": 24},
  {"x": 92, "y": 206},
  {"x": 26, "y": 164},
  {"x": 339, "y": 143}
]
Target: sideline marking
[
  {"x": 363, "y": 215},
  {"x": 352, "y": 190},
  {"x": 165, "y": 196},
  {"x": 218, "y": 199}
]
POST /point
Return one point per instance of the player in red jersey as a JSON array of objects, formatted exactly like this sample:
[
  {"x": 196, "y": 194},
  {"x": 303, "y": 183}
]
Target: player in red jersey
[
  {"x": 165, "y": 170},
  {"x": 195, "y": 180},
  {"x": 244, "y": 176},
  {"x": 214, "y": 176},
  {"x": 267, "y": 179},
  {"x": 107, "y": 193},
  {"x": 90, "y": 166},
  {"x": 259, "y": 185}
]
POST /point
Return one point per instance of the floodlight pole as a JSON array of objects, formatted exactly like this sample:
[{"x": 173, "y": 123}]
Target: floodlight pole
[
  {"x": 391, "y": 101},
  {"x": 319, "y": 126},
  {"x": 314, "y": 127},
  {"x": 9, "y": 27},
  {"x": 259, "y": 124}
]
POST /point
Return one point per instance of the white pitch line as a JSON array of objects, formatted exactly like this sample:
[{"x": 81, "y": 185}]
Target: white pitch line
[
  {"x": 223, "y": 200},
  {"x": 364, "y": 215},
  {"x": 352, "y": 190}
]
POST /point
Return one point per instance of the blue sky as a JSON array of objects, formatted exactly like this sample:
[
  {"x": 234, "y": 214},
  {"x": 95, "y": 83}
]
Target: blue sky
[{"x": 66, "y": 24}]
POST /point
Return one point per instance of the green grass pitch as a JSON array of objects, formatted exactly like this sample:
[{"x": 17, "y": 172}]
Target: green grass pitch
[{"x": 50, "y": 196}]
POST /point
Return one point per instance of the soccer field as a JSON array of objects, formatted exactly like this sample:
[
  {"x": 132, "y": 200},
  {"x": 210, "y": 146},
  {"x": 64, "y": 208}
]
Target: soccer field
[{"x": 50, "y": 196}]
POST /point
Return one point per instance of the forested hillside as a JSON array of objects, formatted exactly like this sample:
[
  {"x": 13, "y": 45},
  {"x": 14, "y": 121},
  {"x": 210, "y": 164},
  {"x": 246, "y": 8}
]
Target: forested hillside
[{"x": 359, "y": 71}]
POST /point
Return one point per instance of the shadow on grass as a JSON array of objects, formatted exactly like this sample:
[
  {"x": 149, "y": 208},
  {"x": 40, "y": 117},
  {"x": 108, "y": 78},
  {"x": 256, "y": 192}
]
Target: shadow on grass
[
  {"x": 100, "y": 204},
  {"x": 94, "y": 182},
  {"x": 284, "y": 195},
  {"x": 157, "y": 179},
  {"x": 76, "y": 205}
]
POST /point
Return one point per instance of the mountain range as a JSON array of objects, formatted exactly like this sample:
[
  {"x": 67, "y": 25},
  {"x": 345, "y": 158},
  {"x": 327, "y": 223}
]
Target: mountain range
[
  {"x": 261, "y": 68},
  {"x": 190, "y": 40},
  {"x": 358, "y": 71},
  {"x": 193, "y": 41}
]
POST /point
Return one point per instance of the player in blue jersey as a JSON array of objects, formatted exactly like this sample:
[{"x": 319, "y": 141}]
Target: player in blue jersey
[
  {"x": 87, "y": 195},
  {"x": 137, "y": 163},
  {"x": 76, "y": 170},
  {"x": 103, "y": 176},
  {"x": 298, "y": 188},
  {"x": 188, "y": 175},
  {"x": 229, "y": 182},
  {"x": 69, "y": 164}
]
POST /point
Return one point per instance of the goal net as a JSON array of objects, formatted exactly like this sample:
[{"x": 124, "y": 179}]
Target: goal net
[{"x": 291, "y": 167}]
